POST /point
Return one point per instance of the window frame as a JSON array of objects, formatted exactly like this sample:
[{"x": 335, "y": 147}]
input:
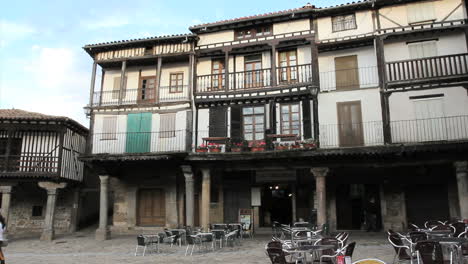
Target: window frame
[
  {"x": 290, "y": 121},
  {"x": 221, "y": 75},
  {"x": 140, "y": 89},
  {"x": 334, "y": 23},
  {"x": 254, "y": 132},
  {"x": 178, "y": 88},
  {"x": 254, "y": 32},
  {"x": 109, "y": 135}
]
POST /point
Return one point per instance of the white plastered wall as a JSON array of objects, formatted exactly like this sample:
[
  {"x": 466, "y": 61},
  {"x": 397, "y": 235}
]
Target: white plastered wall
[
  {"x": 216, "y": 37},
  {"x": 367, "y": 63},
  {"x": 291, "y": 26},
  {"x": 363, "y": 22}
]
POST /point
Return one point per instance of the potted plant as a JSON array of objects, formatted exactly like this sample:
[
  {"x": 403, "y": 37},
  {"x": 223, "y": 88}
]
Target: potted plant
[
  {"x": 214, "y": 147},
  {"x": 296, "y": 145},
  {"x": 258, "y": 146},
  {"x": 281, "y": 146},
  {"x": 237, "y": 147},
  {"x": 202, "y": 148},
  {"x": 309, "y": 143}
]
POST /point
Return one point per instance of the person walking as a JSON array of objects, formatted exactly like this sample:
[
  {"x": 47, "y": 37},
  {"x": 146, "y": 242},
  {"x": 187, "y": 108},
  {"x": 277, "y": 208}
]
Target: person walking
[{"x": 2, "y": 239}]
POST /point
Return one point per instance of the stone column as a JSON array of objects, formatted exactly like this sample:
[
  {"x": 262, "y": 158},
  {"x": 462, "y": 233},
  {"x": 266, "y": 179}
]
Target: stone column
[
  {"x": 103, "y": 233},
  {"x": 6, "y": 200},
  {"x": 51, "y": 187},
  {"x": 461, "y": 168},
  {"x": 205, "y": 206},
  {"x": 293, "y": 203},
  {"x": 189, "y": 196},
  {"x": 320, "y": 189}
]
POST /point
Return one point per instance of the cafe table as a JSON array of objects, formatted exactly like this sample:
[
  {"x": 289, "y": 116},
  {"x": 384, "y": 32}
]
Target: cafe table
[
  {"x": 300, "y": 252},
  {"x": 452, "y": 242}
]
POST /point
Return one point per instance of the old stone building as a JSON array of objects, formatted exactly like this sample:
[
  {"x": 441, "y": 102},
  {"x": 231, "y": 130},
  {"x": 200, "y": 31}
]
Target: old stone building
[
  {"x": 40, "y": 174},
  {"x": 321, "y": 114}
]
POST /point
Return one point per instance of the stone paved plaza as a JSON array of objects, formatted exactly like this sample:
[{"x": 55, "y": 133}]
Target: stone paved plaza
[{"x": 83, "y": 248}]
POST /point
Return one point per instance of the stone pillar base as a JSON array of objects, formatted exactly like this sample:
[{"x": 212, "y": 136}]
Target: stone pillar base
[
  {"x": 48, "y": 235},
  {"x": 102, "y": 234}
]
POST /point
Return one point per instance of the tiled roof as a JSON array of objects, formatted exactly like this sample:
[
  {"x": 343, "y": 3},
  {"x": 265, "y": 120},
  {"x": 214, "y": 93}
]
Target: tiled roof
[
  {"x": 128, "y": 41},
  {"x": 18, "y": 114},
  {"x": 307, "y": 7},
  {"x": 21, "y": 114},
  {"x": 283, "y": 12}
]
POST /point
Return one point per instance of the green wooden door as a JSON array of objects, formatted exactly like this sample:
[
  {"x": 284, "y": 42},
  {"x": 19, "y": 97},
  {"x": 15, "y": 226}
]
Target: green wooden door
[{"x": 138, "y": 133}]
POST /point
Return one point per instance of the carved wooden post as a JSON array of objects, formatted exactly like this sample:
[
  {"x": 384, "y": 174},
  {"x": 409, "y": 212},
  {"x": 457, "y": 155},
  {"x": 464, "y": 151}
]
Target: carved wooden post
[
  {"x": 122, "y": 81},
  {"x": 384, "y": 96},
  {"x": 320, "y": 188}
]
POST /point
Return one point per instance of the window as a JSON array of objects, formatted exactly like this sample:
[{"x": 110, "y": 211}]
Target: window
[
  {"x": 253, "y": 122},
  {"x": 422, "y": 49},
  {"x": 288, "y": 66},
  {"x": 37, "y": 211},
  {"x": 346, "y": 73},
  {"x": 253, "y": 71},
  {"x": 218, "y": 79},
  {"x": 147, "y": 92},
  {"x": 116, "y": 88},
  {"x": 420, "y": 12},
  {"x": 177, "y": 82},
  {"x": 260, "y": 31},
  {"x": 342, "y": 23},
  {"x": 109, "y": 128},
  {"x": 290, "y": 119},
  {"x": 167, "y": 126}
]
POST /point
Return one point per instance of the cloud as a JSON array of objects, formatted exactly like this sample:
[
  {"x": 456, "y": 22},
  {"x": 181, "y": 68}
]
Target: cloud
[
  {"x": 55, "y": 84},
  {"x": 11, "y": 31}
]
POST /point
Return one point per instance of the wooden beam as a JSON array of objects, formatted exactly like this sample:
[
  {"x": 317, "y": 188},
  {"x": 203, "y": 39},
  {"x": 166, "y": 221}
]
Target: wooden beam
[
  {"x": 384, "y": 97},
  {"x": 226, "y": 69},
  {"x": 93, "y": 81},
  {"x": 273, "y": 64},
  {"x": 158, "y": 78},
  {"x": 122, "y": 81}
]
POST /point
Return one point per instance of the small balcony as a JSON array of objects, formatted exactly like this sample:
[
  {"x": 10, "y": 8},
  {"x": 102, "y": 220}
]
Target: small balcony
[
  {"x": 141, "y": 142},
  {"x": 427, "y": 71},
  {"x": 254, "y": 80},
  {"x": 165, "y": 94}
]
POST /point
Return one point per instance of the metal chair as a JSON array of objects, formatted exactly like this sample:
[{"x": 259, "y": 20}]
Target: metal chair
[
  {"x": 145, "y": 241},
  {"x": 274, "y": 250},
  {"x": 430, "y": 252},
  {"x": 432, "y": 223},
  {"x": 345, "y": 251},
  {"x": 247, "y": 230},
  {"x": 401, "y": 250},
  {"x": 192, "y": 241},
  {"x": 459, "y": 227},
  {"x": 218, "y": 236}
]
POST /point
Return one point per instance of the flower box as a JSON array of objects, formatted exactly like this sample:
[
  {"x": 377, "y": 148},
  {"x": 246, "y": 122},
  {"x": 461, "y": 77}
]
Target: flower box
[
  {"x": 257, "y": 149},
  {"x": 216, "y": 150},
  {"x": 281, "y": 147},
  {"x": 201, "y": 150},
  {"x": 295, "y": 146},
  {"x": 309, "y": 146},
  {"x": 236, "y": 149}
]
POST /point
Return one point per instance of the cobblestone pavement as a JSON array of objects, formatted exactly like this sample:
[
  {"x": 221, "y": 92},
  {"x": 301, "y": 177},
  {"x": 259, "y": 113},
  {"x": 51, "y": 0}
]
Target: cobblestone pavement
[{"x": 82, "y": 248}]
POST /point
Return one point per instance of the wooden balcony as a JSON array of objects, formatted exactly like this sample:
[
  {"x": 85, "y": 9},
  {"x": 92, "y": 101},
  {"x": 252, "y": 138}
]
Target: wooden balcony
[
  {"x": 164, "y": 94},
  {"x": 256, "y": 80},
  {"x": 430, "y": 71}
]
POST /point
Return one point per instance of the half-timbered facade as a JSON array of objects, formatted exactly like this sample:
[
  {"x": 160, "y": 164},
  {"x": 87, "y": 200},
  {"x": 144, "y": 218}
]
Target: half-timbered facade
[
  {"x": 40, "y": 173},
  {"x": 309, "y": 113}
]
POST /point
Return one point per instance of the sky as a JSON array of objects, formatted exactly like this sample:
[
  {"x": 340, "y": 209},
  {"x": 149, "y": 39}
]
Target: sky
[{"x": 43, "y": 67}]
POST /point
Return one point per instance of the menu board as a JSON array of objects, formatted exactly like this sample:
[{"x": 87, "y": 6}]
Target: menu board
[{"x": 245, "y": 217}]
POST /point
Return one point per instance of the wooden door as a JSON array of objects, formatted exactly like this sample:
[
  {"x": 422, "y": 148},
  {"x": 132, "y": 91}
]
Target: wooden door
[
  {"x": 253, "y": 71},
  {"x": 147, "y": 90},
  {"x": 350, "y": 124},
  {"x": 346, "y": 73},
  {"x": 218, "y": 76},
  {"x": 138, "y": 133},
  {"x": 151, "y": 207},
  {"x": 288, "y": 66}
]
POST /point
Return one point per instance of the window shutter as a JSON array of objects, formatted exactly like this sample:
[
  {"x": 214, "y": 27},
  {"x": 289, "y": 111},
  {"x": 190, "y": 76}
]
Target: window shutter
[
  {"x": 167, "y": 126},
  {"x": 116, "y": 88},
  {"x": 217, "y": 127},
  {"x": 420, "y": 12},
  {"x": 422, "y": 49},
  {"x": 109, "y": 127},
  {"x": 306, "y": 119},
  {"x": 236, "y": 122}
]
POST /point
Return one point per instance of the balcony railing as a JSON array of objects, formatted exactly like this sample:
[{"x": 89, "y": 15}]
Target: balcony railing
[
  {"x": 348, "y": 79},
  {"x": 256, "y": 79},
  {"x": 430, "y": 68},
  {"x": 140, "y": 142},
  {"x": 441, "y": 129},
  {"x": 402, "y": 131},
  {"x": 164, "y": 94}
]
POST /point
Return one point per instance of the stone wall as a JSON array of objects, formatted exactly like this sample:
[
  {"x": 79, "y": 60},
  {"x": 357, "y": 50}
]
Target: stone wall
[
  {"x": 393, "y": 208},
  {"x": 26, "y": 195}
]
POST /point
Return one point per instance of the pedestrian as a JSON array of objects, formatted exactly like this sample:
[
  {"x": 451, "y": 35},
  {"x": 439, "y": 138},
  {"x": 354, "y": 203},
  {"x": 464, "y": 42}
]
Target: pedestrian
[
  {"x": 2, "y": 239},
  {"x": 371, "y": 215}
]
